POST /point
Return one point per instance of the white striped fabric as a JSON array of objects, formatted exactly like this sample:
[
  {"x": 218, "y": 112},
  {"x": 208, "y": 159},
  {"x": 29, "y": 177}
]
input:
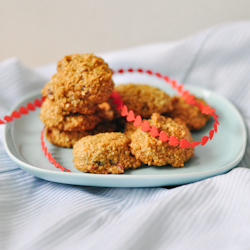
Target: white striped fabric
[{"x": 210, "y": 214}]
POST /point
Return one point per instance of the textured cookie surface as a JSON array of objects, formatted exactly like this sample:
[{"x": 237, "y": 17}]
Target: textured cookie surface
[
  {"x": 69, "y": 138},
  {"x": 64, "y": 138},
  {"x": 190, "y": 114},
  {"x": 129, "y": 129},
  {"x": 144, "y": 100},
  {"x": 104, "y": 153},
  {"x": 54, "y": 117},
  {"x": 81, "y": 82},
  {"x": 153, "y": 151}
]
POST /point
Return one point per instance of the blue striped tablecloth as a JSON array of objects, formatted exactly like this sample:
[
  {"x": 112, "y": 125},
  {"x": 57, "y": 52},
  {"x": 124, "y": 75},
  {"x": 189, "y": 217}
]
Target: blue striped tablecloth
[{"x": 210, "y": 214}]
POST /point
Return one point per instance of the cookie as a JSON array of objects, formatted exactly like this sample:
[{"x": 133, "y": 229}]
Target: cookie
[
  {"x": 69, "y": 138},
  {"x": 104, "y": 153},
  {"x": 144, "y": 100},
  {"x": 68, "y": 103},
  {"x": 152, "y": 151},
  {"x": 54, "y": 117},
  {"x": 81, "y": 82},
  {"x": 191, "y": 114},
  {"x": 64, "y": 138}
]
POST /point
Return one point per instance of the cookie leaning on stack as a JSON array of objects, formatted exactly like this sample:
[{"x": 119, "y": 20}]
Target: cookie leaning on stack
[{"x": 76, "y": 100}]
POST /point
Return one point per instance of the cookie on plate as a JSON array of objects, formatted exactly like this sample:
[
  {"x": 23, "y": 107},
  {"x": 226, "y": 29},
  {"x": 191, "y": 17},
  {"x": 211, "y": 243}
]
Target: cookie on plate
[
  {"x": 152, "y": 151},
  {"x": 144, "y": 100},
  {"x": 81, "y": 82},
  {"x": 54, "y": 117},
  {"x": 104, "y": 153},
  {"x": 69, "y": 138},
  {"x": 190, "y": 114}
]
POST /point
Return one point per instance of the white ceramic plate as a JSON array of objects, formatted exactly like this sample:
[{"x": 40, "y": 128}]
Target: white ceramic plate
[{"x": 224, "y": 152}]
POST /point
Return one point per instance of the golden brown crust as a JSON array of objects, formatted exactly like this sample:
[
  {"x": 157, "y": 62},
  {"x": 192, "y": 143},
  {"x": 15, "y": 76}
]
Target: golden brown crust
[
  {"x": 81, "y": 82},
  {"x": 54, "y": 117},
  {"x": 153, "y": 151},
  {"x": 190, "y": 114},
  {"x": 104, "y": 153},
  {"x": 68, "y": 103},
  {"x": 144, "y": 100},
  {"x": 69, "y": 138}
]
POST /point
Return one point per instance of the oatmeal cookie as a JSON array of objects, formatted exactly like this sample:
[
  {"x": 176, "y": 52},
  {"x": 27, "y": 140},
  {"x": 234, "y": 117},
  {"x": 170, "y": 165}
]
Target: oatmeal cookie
[
  {"x": 81, "y": 82},
  {"x": 190, "y": 114},
  {"x": 104, "y": 153},
  {"x": 144, "y": 100},
  {"x": 64, "y": 138},
  {"x": 54, "y": 117},
  {"x": 68, "y": 103},
  {"x": 69, "y": 138},
  {"x": 153, "y": 151}
]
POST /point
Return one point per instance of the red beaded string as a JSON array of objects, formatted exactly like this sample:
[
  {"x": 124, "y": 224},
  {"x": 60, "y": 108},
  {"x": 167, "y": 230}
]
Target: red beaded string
[
  {"x": 49, "y": 156},
  {"x": 31, "y": 106}
]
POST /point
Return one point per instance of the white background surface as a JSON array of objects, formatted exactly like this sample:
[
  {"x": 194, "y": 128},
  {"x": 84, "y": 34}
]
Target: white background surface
[{"x": 40, "y": 32}]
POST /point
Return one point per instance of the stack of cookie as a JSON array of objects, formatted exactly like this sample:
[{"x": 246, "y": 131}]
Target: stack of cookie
[{"x": 75, "y": 104}]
